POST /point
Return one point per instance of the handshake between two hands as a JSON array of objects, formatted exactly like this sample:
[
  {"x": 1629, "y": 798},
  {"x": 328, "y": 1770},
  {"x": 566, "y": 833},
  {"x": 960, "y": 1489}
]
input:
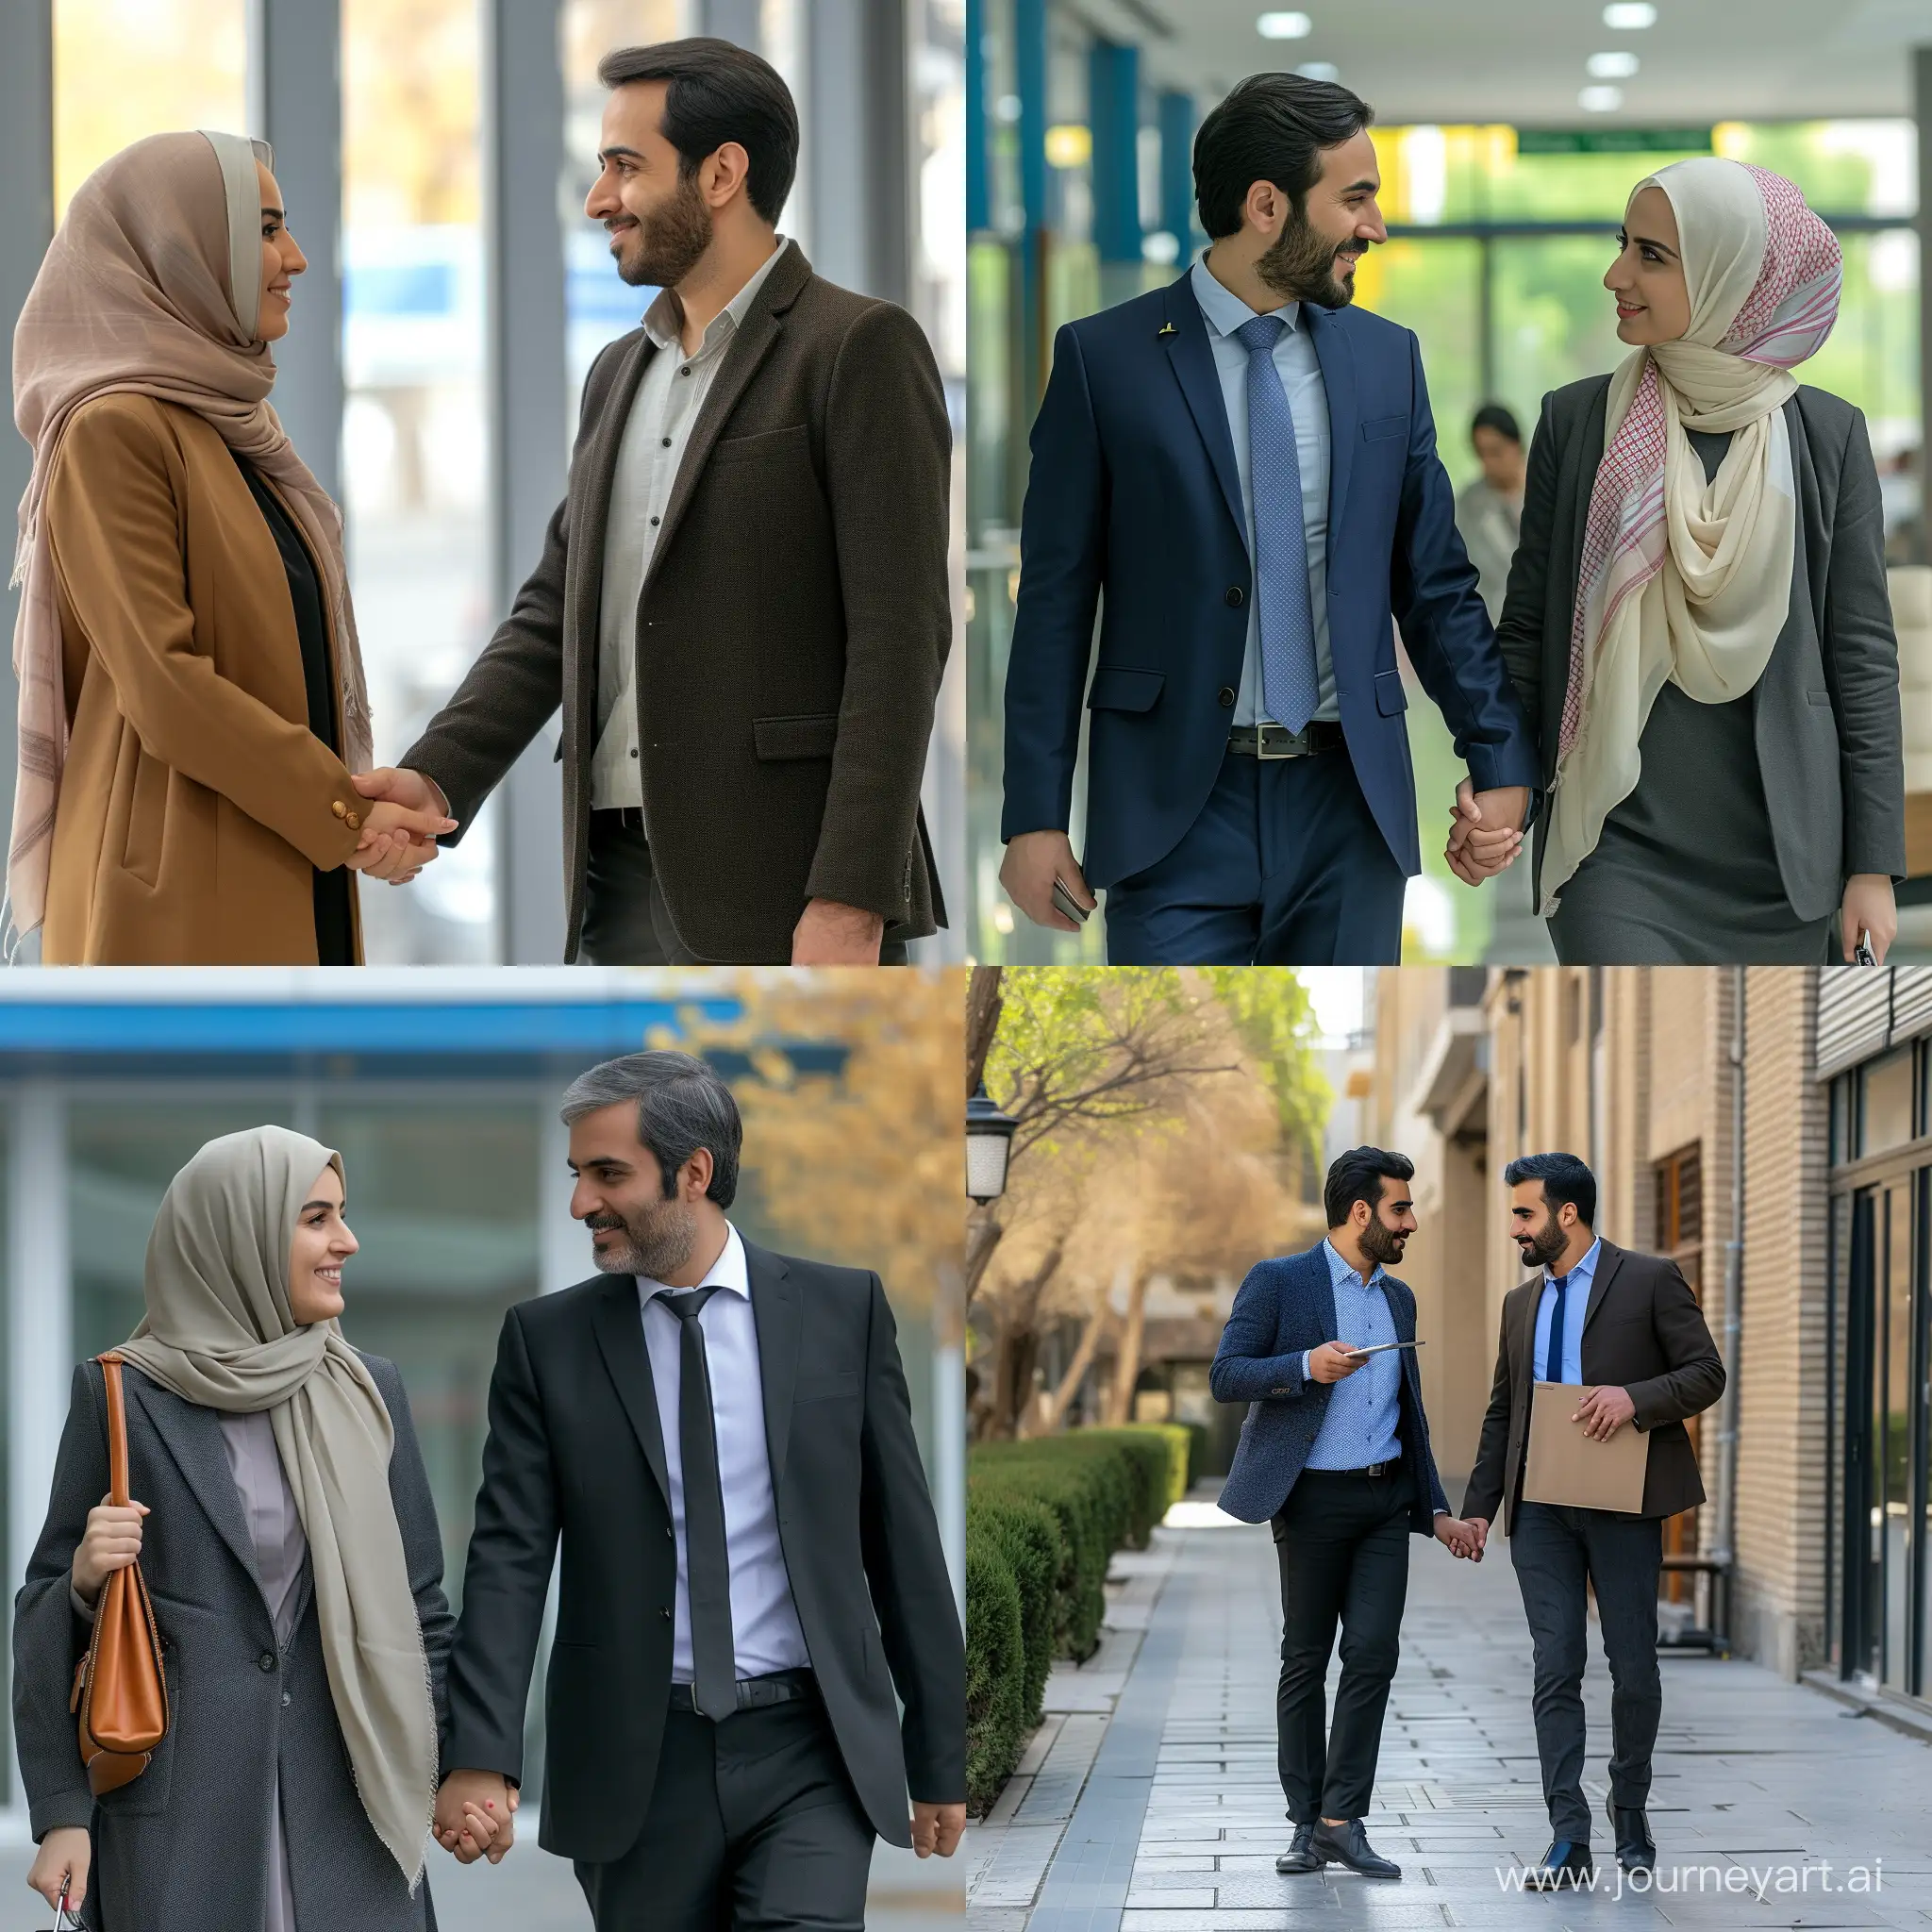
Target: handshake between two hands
[{"x": 400, "y": 828}]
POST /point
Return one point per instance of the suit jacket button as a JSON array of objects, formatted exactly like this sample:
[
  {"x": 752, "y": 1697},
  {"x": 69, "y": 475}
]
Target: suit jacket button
[
  {"x": 353, "y": 820},
  {"x": 665, "y": 1615},
  {"x": 341, "y": 810},
  {"x": 1226, "y": 695},
  {"x": 1236, "y": 597},
  {"x": 267, "y": 1660}
]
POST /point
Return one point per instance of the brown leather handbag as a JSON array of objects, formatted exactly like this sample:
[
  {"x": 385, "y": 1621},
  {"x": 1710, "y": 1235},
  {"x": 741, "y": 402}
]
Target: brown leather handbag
[{"x": 121, "y": 1688}]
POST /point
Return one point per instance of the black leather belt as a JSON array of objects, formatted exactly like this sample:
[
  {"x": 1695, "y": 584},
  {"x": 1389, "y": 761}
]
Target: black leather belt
[
  {"x": 1389, "y": 1468},
  {"x": 1277, "y": 741},
  {"x": 758, "y": 1694},
  {"x": 611, "y": 818}
]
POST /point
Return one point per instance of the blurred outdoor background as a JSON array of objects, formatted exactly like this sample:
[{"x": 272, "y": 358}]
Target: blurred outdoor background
[{"x": 1510, "y": 133}]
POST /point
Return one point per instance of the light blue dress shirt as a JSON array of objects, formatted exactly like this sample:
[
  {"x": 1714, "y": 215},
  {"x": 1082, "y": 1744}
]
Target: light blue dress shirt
[
  {"x": 1575, "y": 1304},
  {"x": 1307, "y": 402},
  {"x": 1365, "y": 1409}
]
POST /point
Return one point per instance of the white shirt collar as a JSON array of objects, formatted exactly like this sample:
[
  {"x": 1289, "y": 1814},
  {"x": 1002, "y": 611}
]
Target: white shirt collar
[
  {"x": 728, "y": 1271},
  {"x": 1225, "y": 310},
  {"x": 664, "y": 318}
]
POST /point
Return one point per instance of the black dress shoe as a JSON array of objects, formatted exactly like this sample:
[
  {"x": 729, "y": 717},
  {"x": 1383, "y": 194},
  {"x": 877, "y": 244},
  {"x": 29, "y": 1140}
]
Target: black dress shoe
[
  {"x": 1348, "y": 1845},
  {"x": 1301, "y": 1855},
  {"x": 1635, "y": 1848},
  {"x": 1566, "y": 1863}
]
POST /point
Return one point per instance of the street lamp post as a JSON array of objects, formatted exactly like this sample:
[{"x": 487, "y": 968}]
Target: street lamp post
[{"x": 989, "y": 1141}]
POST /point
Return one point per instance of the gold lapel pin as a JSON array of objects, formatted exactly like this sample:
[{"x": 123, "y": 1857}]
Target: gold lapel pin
[{"x": 1167, "y": 328}]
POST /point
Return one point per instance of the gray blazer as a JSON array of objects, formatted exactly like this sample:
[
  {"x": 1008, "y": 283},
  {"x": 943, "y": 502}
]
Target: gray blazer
[
  {"x": 1830, "y": 738},
  {"x": 185, "y": 1847}
]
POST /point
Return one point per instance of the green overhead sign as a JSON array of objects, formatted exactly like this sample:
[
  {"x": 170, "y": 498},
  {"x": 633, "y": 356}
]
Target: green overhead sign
[{"x": 1613, "y": 141}]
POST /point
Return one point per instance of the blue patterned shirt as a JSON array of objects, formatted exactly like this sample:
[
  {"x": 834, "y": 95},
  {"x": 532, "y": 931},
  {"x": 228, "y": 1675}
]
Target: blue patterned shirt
[{"x": 1364, "y": 1408}]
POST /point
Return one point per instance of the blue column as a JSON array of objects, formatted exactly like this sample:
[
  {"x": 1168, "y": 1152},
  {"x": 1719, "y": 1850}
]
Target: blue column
[
  {"x": 1177, "y": 168},
  {"x": 1113, "y": 95},
  {"x": 1029, "y": 79},
  {"x": 978, "y": 161}
]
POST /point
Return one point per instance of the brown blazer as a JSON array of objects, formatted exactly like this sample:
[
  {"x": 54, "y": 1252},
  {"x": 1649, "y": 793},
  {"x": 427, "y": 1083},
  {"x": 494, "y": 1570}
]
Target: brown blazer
[
  {"x": 1642, "y": 1329},
  {"x": 789, "y": 637},
  {"x": 195, "y": 802}
]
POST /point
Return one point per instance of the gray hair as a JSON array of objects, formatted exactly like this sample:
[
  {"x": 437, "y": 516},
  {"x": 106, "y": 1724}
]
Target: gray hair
[{"x": 682, "y": 1105}]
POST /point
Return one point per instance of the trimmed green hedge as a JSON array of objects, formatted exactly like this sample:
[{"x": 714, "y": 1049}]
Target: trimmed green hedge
[{"x": 1042, "y": 1519}]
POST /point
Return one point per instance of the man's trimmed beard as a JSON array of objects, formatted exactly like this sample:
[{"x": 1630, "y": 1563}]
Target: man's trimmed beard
[
  {"x": 672, "y": 239},
  {"x": 1543, "y": 1244},
  {"x": 1382, "y": 1244},
  {"x": 657, "y": 1241},
  {"x": 1300, "y": 264}
]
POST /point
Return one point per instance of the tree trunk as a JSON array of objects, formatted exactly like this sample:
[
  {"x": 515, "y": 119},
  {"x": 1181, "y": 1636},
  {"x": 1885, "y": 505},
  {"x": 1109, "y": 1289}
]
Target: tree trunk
[
  {"x": 1018, "y": 1348},
  {"x": 983, "y": 1232},
  {"x": 1127, "y": 1369},
  {"x": 982, "y": 1022},
  {"x": 1056, "y": 1413}
]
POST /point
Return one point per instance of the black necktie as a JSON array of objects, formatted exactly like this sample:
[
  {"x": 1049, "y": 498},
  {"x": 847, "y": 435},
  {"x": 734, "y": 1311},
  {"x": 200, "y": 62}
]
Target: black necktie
[
  {"x": 707, "y": 1566},
  {"x": 1553, "y": 1349}
]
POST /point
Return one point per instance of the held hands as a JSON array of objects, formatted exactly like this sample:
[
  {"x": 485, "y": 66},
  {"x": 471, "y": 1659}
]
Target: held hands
[
  {"x": 1479, "y": 1526},
  {"x": 829, "y": 934},
  {"x": 1870, "y": 909},
  {"x": 475, "y": 1816},
  {"x": 401, "y": 828},
  {"x": 1485, "y": 831},
  {"x": 1604, "y": 1411},
  {"x": 1033, "y": 859},
  {"x": 111, "y": 1542},
  {"x": 937, "y": 1828},
  {"x": 1463, "y": 1539},
  {"x": 1332, "y": 1361},
  {"x": 62, "y": 1864}
]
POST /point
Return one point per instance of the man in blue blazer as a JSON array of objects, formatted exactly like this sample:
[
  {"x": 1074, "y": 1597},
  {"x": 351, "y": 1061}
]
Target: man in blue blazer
[
  {"x": 1335, "y": 1454},
  {"x": 1239, "y": 471}
]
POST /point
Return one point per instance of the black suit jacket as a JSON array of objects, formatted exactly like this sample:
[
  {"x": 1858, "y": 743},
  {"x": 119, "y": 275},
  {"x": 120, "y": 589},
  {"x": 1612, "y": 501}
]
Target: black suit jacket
[
  {"x": 1643, "y": 1331},
  {"x": 576, "y": 1455},
  {"x": 791, "y": 633}
]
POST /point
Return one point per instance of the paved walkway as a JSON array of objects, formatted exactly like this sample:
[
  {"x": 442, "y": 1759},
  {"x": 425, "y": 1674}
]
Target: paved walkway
[{"x": 1149, "y": 1800}]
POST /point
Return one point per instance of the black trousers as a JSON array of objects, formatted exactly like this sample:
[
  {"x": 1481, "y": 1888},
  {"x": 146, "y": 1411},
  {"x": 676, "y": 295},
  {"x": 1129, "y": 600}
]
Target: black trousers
[
  {"x": 626, "y": 922},
  {"x": 754, "y": 1826},
  {"x": 1342, "y": 1544},
  {"x": 1553, "y": 1549}
]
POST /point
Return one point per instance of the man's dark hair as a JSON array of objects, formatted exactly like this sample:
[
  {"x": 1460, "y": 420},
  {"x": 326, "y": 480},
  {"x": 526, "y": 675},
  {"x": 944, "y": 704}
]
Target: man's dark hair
[
  {"x": 720, "y": 93},
  {"x": 1270, "y": 127},
  {"x": 1495, "y": 416},
  {"x": 1358, "y": 1176},
  {"x": 1564, "y": 1178},
  {"x": 682, "y": 1105}
]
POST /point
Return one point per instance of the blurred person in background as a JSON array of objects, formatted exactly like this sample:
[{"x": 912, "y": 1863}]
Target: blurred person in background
[
  {"x": 191, "y": 698},
  {"x": 284, "y": 1530},
  {"x": 1698, "y": 620},
  {"x": 742, "y": 606},
  {"x": 1489, "y": 511},
  {"x": 1238, "y": 472}
]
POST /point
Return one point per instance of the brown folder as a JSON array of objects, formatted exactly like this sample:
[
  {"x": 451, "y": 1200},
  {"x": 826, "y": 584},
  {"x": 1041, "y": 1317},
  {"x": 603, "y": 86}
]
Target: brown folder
[{"x": 1565, "y": 1466}]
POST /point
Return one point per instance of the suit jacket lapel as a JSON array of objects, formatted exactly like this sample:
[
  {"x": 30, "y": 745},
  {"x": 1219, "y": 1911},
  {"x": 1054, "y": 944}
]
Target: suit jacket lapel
[
  {"x": 192, "y": 1436},
  {"x": 776, "y": 1314},
  {"x": 1191, "y": 357},
  {"x": 618, "y": 1321},
  {"x": 1332, "y": 351},
  {"x": 1609, "y": 1260}
]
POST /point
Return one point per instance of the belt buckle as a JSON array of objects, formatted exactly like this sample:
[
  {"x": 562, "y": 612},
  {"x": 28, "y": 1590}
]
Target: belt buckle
[{"x": 1295, "y": 743}]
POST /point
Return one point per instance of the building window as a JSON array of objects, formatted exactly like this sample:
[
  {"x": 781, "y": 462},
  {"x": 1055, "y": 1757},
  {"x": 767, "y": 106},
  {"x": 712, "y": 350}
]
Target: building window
[
  {"x": 1886, "y": 1114},
  {"x": 1678, "y": 1194}
]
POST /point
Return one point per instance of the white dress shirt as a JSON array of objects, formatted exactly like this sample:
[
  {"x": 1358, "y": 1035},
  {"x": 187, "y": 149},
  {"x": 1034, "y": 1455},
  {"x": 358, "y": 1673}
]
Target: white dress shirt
[
  {"x": 764, "y": 1620},
  {"x": 668, "y": 399},
  {"x": 1307, "y": 401}
]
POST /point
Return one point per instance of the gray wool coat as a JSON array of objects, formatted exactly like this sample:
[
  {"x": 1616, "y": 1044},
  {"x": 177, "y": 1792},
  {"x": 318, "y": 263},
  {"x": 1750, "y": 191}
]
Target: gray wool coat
[{"x": 185, "y": 1847}]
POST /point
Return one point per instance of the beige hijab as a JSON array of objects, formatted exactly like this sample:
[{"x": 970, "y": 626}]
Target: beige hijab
[
  {"x": 218, "y": 1332},
  {"x": 1682, "y": 580},
  {"x": 152, "y": 285}
]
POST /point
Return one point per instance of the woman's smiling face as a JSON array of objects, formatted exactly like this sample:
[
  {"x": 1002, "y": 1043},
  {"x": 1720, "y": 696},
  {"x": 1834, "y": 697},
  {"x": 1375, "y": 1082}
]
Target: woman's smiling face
[
  {"x": 322, "y": 1243},
  {"x": 1647, "y": 277}
]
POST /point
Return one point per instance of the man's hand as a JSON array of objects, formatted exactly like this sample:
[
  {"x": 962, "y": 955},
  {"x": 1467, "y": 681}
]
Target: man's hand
[
  {"x": 1332, "y": 1361},
  {"x": 937, "y": 1828},
  {"x": 1869, "y": 908},
  {"x": 1033, "y": 860},
  {"x": 475, "y": 1816},
  {"x": 1459, "y": 1537},
  {"x": 1479, "y": 1527},
  {"x": 1485, "y": 831},
  {"x": 401, "y": 827},
  {"x": 829, "y": 934},
  {"x": 1604, "y": 1411}
]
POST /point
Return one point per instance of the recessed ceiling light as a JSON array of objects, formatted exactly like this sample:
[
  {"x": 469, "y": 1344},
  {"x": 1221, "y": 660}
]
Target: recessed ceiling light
[
  {"x": 1600, "y": 100},
  {"x": 1630, "y": 16},
  {"x": 1284, "y": 26},
  {"x": 1610, "y": 66},
  {"x": 1319, "y": 70}
]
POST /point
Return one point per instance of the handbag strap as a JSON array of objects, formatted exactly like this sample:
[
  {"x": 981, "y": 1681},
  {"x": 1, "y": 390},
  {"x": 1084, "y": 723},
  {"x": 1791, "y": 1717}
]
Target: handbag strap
[{"x": 117, "y": 1430}]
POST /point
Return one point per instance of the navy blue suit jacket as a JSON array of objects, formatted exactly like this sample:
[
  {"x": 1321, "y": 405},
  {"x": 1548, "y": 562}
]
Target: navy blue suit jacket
[
  {"x": 1134, "y": 505},
  {"x": 1284, "y": 1307}
]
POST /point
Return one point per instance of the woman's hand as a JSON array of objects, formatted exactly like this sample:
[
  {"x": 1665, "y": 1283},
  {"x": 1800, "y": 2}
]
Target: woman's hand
[
  {"x": 112, "y": 1542},
  {"x": 62, "y": 1865},
  {"x": 1870, "y": 909}
]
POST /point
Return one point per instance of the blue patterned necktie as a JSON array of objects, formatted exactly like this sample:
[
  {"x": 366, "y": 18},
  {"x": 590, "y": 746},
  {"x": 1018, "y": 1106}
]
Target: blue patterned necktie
[
  {"x": 1553, "y": 1349},
  {"x": 1289, "y": 687}
]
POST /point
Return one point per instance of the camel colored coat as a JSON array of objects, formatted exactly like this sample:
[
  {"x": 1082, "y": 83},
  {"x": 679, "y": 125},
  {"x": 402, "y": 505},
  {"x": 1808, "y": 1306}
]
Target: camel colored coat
[{"x": 195, "y": 801}]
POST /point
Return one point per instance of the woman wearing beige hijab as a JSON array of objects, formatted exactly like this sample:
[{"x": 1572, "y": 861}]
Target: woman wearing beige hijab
[
  {"x": 192, "y": 694},
  {"x": 284, "y": 1526},
  {"x": 1697, "y": 618}
]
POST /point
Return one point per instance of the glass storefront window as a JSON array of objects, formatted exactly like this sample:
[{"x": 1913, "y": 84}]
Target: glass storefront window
[{"x": 1884, "y": 1114}]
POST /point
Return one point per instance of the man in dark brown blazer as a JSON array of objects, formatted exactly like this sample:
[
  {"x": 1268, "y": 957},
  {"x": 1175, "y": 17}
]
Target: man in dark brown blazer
[
  {"x": 1627, "y": 1327},
  {"x": 742, "y": 603}
]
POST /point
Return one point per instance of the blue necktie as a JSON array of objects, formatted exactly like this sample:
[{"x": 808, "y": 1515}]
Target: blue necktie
[
  {"x": 1553, "y": 1350},
  {"x": 1290, "y": 689}
]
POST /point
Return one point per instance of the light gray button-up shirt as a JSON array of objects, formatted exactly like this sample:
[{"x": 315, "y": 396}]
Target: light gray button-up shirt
[
  {"x": 1307, "y": 401},
  {"x": 666, "y": 406}
]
